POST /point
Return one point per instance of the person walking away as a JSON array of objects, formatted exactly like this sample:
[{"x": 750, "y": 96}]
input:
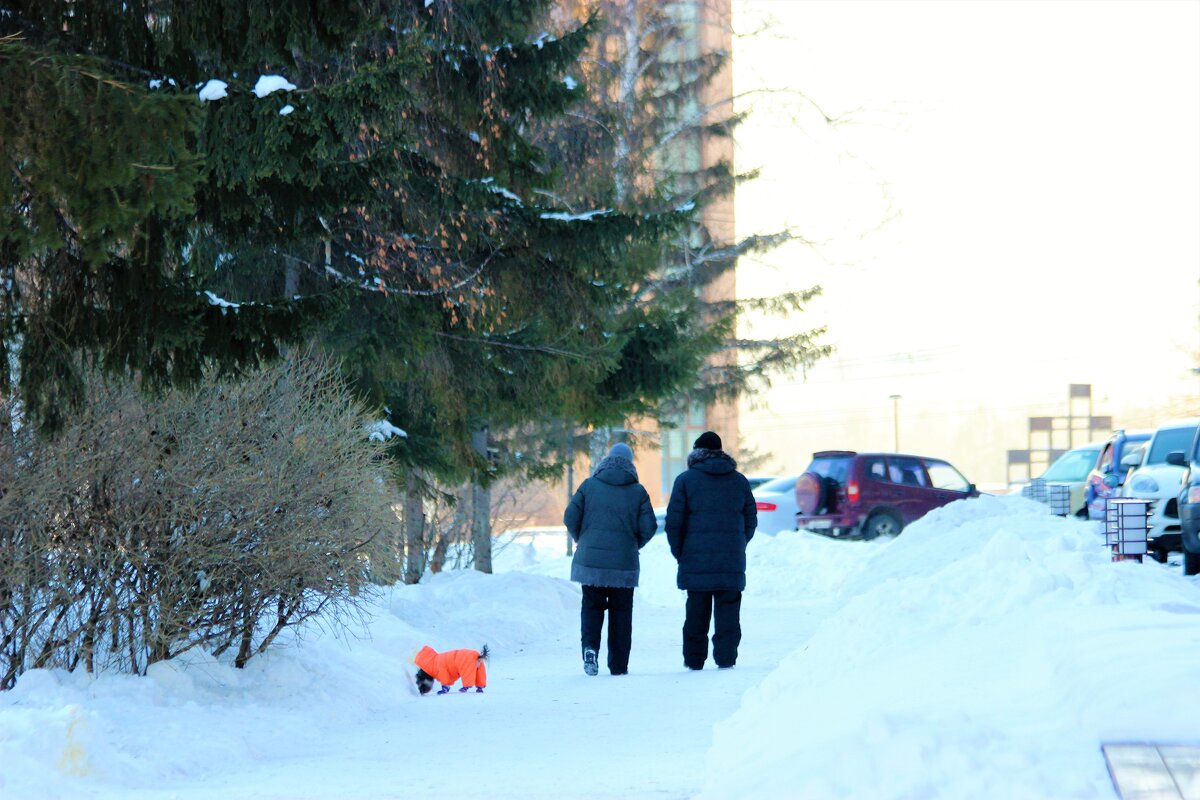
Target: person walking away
[
  {"x": 610, "y": 519},
  {"x": 711, "y": 518}
]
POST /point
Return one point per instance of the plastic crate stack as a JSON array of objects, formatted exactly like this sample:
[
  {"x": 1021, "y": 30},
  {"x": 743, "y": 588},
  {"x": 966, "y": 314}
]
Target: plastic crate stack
[{"x": 1126, "y": 522}]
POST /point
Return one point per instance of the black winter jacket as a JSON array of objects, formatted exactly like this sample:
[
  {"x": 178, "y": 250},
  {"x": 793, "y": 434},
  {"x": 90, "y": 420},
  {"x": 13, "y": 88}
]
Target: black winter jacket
[
  {"x": 610, "y": 519},
  {"x": 711, "y": 518}
]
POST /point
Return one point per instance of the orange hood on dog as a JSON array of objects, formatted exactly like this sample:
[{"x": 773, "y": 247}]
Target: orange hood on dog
[{"x": 451, "y": 665}]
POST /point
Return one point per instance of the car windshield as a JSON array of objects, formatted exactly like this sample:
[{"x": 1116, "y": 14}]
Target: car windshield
[
  {"x": 945, "y": 476},
  {"x": 777, "y": 486},
  {"x": 1168, "y": 439},
  {"x": 1074, "y": 465}
]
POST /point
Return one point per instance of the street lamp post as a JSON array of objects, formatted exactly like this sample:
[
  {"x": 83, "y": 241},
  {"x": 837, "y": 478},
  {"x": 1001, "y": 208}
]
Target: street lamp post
[{"x": 895, "y": 398}]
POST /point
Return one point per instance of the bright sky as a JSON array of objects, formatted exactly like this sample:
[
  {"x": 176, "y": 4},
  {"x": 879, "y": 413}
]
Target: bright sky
[{"x": 1009, "y": 204}]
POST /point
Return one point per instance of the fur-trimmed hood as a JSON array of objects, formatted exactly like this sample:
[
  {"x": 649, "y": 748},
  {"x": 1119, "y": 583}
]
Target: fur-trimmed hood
[{"x": 714, "y": 462}]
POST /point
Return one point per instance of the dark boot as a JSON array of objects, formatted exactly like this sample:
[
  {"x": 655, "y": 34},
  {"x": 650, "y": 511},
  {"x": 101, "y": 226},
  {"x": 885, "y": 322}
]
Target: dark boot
[
  {"x": 591, "y": 622},
  {"x": 591, "y": 664}
]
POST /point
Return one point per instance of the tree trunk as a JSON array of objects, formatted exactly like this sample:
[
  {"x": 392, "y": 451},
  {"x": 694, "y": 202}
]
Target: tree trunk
[
  {"x": 437, "y": 561},
  {"x": 570, "y": 477},
  {"x": 626, "y": 100},
  {"x": 481, "y": 508},
  {"x": 598, "y": 447},
  {"x": 291, "y": 282},
  {"x": 414, "y": 530}
]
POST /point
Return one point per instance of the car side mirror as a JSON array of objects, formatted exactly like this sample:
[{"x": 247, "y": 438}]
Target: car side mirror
[
  {"x": 1177, "y": 458},
  {"x": 1112, "y": 481},
  {"x": 971, "y": 489},
  {"x": 1132, "y": 460}
]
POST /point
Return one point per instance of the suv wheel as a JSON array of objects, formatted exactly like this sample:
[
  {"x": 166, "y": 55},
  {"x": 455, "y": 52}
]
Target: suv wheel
[
  {"x": 882, "y": 523},
  {"x": 1191, "y": 563}
]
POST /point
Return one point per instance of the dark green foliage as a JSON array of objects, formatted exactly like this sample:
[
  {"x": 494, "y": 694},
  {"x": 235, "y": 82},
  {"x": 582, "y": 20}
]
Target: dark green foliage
[
  {"x": 399, "y": 214},
  {"x": 645, "y": 138},
  {"x": 106, "y": 181}
]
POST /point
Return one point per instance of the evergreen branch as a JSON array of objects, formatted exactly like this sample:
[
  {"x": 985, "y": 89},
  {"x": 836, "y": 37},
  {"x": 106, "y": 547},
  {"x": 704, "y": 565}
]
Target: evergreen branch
[
  {"x": 693, "y": 122},
  {"x": 105, "y": 80},
  {"x": 341, "y": 277},
  {"x": 537, "y": 348},
  {"x": 59, "y": 214}
]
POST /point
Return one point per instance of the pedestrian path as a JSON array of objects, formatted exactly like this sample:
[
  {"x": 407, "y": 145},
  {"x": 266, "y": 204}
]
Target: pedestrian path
[{"x": 1147, "y": 771}]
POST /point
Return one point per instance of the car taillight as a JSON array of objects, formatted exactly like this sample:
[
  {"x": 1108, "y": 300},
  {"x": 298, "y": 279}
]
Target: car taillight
[
  {"x": 766, "y": 506},
  {"x": 852, "y": 491},
  {"x": 1193, "y": 494}
]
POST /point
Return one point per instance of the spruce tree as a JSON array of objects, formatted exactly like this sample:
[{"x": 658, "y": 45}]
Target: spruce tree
[
  {"x": 652, "y": 101},
  {"x": 108, "y": 193}
]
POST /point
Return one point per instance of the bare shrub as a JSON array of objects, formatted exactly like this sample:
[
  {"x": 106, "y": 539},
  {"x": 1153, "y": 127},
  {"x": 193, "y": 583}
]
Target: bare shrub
[{"x": 211, "y": 518}]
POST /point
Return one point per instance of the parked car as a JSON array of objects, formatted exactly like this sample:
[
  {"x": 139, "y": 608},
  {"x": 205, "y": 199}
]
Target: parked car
[
  {"x": 776, "y": 504},
  {"x": 756, "y": 481},
  {"x": 1071, "y": 469},
  {"x": 1108, "y": 475},
  {"x": 1189, "y": 503},
  {"x": 865, "y": 495},
  {"x": 1155, "y": 479}
]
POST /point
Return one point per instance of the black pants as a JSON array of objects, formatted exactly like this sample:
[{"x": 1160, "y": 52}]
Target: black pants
[
  {"x": 725, "y": 608},
  {"x": 619, "y": 605}
]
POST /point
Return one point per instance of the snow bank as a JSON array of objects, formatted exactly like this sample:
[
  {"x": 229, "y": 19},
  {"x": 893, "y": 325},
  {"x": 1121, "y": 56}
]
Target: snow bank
[
  {"x": 195, "y": 719},
  {"x": 985, "y": 653}
]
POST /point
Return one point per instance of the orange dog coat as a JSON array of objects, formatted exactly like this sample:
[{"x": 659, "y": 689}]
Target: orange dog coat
[{"x": 451, "y": 665}]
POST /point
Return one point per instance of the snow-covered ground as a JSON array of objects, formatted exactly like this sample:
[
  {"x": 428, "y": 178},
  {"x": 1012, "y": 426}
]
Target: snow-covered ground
[{"x": 985, "y": 653}]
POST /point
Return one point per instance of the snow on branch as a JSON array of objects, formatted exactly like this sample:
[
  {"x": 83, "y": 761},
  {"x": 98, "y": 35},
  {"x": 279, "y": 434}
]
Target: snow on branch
[
  {"x": 383, "y": 430},
  {"x": 272, "y": 83},
  {"x": 216, "y": 89},
  {"x": 565, "y": 217}
]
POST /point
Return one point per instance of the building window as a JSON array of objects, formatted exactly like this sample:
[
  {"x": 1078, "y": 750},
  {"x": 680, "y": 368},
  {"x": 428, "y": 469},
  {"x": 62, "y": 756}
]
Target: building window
[{"x": 677, "y": 442}]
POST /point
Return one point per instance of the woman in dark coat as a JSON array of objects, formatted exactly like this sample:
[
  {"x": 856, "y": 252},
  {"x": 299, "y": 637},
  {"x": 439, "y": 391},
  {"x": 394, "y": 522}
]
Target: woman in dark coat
[
  {"x": 610, "y": 519},
  {"x": 711, "y": 517}
]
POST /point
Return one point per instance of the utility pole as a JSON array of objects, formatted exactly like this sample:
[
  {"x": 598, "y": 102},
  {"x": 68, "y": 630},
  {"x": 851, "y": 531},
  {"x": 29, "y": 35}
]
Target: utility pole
[{"x": 895, "y": 398}]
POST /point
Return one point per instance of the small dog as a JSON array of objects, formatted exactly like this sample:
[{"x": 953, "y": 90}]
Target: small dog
[{"x": 448, "y": 667}]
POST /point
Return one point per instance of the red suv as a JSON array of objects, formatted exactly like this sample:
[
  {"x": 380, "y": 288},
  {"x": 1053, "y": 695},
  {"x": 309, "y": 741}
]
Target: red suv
[{"x": 864, "y": 495}]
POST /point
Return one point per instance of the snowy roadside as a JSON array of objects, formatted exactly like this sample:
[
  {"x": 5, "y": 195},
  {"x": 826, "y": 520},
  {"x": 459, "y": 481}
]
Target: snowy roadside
[{"x": 987, "y": 653}]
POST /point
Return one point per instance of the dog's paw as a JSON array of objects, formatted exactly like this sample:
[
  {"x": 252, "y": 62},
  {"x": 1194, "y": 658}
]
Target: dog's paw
[{"x": 444, "y": 690}]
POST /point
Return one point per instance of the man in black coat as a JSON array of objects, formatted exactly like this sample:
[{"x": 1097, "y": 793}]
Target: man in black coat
[
  {"x": 610, "y": 519},
  {"x": 711, "y": 518}
]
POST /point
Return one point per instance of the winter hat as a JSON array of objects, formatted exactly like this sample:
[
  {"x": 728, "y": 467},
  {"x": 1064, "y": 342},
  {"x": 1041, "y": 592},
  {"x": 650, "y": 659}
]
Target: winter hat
[
  {"x": 708, "y": 441},
  {"x": 621, "y": 450}
]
